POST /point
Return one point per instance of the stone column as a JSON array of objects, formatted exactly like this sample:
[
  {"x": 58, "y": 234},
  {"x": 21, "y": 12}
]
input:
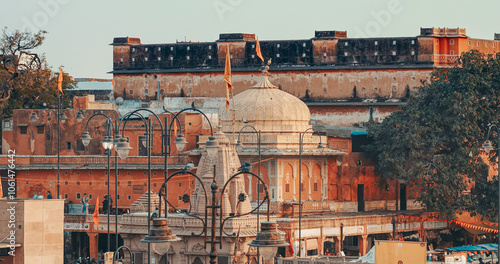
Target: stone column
[
  {"x": 324, "y": 181},
  {"x": 310, "y": 174},
  {"x": 93, "y": 244},
  {"x": 294, "y": 177},
  {"x": 336, "y": 240},
  {"x": 363, "y": 244},
  {"x": 250, "y": 193}
]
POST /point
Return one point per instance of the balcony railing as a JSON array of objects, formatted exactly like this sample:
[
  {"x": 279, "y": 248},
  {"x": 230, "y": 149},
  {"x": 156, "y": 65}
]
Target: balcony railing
[{"x": 445, "y": 59}]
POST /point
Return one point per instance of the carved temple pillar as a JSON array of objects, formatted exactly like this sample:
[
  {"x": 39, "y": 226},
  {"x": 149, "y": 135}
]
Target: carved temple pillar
[
  {"x": 93, "y": 244},
  {"x": 363, "y": 244},
  {"x": 337, "y": 242}
]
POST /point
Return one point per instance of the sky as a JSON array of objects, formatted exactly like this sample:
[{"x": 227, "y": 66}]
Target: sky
[{"x": 80, "y": 31}]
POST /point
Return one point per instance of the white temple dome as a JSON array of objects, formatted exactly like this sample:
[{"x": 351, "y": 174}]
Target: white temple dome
[{"x": 267, "y": 109}]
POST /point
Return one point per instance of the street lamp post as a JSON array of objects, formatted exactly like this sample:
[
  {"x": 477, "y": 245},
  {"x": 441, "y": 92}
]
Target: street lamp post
[
  {"x": 123, "y": 147},
  {"x": 117, "y": 252},
  {"x": 301, "y": 142},
  {"x": 488, "y": 147},
  {"x": 269, "y": 238},
  {"x": 107, "y": 144},
  {"x": 161, "y": 235},
  {"x": 240, "y": 144}
]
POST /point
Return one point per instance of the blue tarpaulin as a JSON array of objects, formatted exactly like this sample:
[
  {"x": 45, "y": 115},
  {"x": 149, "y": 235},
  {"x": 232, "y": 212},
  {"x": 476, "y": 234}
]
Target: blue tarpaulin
[{"x": 482, "y": 247}]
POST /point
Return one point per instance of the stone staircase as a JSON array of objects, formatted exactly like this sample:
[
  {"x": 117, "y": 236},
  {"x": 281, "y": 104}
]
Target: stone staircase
[{"x": 141, "y": 204}]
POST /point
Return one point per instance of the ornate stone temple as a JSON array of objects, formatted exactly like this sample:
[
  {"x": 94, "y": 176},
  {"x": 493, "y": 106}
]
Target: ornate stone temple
[{"x": 237, "y": 232}]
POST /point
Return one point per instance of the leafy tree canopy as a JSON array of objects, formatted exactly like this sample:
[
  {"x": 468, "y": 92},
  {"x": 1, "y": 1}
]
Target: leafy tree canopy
[
  {"x": 26, "y": 81},
  {"x": 434, "y": 141}
]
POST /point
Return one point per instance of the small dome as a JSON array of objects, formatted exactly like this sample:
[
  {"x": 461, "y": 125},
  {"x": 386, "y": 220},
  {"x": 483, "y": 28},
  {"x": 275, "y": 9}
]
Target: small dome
[{"x": 268, "y": 109}]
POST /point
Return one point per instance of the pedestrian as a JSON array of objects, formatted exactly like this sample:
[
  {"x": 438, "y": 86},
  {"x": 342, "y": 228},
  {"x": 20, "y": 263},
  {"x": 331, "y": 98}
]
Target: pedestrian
[
  {"x": 105, "y": 204},
  {"x": 35, "y": 196},
  {"x": 110, "y": 203},
  {"x": 49, "y": 196},
  {"x": 481, "y": 261},
  {"x": 40, "y": 195},
  {"x": 84, "y": 201}
]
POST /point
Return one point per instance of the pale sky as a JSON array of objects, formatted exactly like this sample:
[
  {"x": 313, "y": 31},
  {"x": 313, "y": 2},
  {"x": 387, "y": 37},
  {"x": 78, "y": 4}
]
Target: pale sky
[{"x": 80, "y": 31}]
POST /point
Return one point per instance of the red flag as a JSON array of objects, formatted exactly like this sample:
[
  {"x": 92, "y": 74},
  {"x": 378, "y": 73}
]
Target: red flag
[
  {"x": 95, "y": 215},
  {"x": 257, "y": 50},
  {"x": 291, "y": 247},
  {"x": 1, "y": 188},
  {"x": 227, "y": 75},
  {"x": 59, "y": 80}
]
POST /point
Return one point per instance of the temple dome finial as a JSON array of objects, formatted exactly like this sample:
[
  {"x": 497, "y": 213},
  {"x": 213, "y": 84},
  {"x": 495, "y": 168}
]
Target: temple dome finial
[{"x": 264, "y": 82}]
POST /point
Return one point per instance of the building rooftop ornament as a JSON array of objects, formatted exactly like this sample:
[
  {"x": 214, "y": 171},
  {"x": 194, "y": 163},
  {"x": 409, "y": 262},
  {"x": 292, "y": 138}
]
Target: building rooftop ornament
[{"x": 264, "y": 82}]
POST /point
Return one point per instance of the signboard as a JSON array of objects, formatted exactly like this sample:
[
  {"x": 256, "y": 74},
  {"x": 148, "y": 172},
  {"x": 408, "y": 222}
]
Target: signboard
[
  {"x": 108, "y": 257},
  {"x": 456, "y": 259},
  {"x": 75, "y": 208},
  {"x": 401, "y": 252},
  {"x": 76, "y": 226}
]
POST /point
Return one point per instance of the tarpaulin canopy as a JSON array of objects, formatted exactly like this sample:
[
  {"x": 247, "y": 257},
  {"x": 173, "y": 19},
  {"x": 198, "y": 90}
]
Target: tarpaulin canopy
[{"x": 482, "y": 247}]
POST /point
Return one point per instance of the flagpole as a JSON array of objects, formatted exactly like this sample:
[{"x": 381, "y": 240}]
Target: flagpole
[
  {"x": 58, "y": 140},
  {"x": 59, "y": 94}
]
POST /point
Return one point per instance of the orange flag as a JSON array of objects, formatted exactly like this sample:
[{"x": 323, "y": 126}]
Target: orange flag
[
  {"x": 227, "y": 75},
  {"x": 175, "y": 128},
  {"x": 95, "y": 215},
  {"x": 1, "y": 188},
  {"x": 257, "y": 50},
  {"x": 59, "y": 81}
]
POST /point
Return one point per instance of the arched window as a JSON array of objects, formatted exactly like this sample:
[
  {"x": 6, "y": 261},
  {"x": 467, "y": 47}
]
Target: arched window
[
  {"x": 197, "y": 260},
  {"x": 316, "y": 182},
  {"x": 263, "y": 176},
  {"x": 288, "y": 183},
  {"x": 304, "y": 186}
]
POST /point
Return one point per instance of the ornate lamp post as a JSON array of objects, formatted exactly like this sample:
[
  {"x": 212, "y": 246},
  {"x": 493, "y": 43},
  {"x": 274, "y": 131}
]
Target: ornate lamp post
[
  {"x": 239, "y": 144},
  {"x": 301, "y": 142},
  {"x": 107, "y": 144},
  {"x": 488, "y": 147},
  {"x": 162, "y": 234},
  {"x": 123, "y": 147},
  {"x": 117, "y": 252},
  {"x": 269, "y": 239}
]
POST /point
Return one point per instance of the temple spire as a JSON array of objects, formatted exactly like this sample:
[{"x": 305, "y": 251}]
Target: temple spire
[{"x": 264, "y": 82}]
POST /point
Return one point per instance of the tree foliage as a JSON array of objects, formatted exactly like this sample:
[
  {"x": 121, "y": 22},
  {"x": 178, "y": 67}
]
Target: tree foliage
[
  {"x": 26, "y": 80},
  {"x": 434, "y": 141}
]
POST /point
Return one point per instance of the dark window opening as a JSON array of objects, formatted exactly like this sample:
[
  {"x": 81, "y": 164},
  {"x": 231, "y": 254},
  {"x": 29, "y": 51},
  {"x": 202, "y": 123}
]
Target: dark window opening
[
  {"x": 68, "y": 146},
  {"x": 261, "y": 188},
  {"x": 23, "y": 130},
  {"x": 80, "y": 146},
  {"x": 359, "y": 141},
  {"x": 40, "y": 130}
]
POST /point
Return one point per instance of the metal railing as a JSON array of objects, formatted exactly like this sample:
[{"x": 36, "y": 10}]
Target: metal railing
[{"x": 318, "y": 260}]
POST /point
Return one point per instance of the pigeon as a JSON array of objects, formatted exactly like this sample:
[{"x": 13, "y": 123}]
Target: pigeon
[
  {"x": 155, "y": 213},
  {"x": 245, "y": 167},
  {"x": 189, "y": 167},
  {"x": 192, "y": 105}
]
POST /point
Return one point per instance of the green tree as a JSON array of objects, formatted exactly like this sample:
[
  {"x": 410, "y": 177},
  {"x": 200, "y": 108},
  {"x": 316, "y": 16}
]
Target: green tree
[
  {"x": 434, "y": 141},
  {"x": 26, "y": 81}
]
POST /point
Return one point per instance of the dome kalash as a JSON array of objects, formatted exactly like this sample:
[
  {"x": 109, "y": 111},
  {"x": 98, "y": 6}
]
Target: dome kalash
[{"x": 280, "y": 117}]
